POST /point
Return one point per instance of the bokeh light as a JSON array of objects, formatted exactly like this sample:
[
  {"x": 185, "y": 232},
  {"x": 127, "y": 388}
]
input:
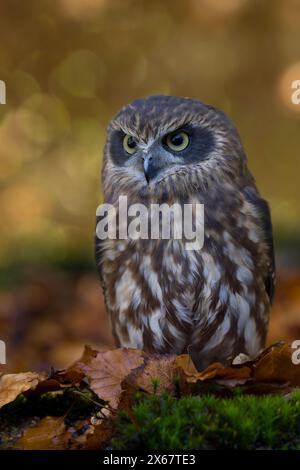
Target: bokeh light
[{"x": 69, "y": 66}]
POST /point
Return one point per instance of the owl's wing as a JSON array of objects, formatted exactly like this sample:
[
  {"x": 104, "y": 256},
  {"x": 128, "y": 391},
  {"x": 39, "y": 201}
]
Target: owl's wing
[
  {"x": 262, "y": 208},
  {"x": 99, "y": 248},
  {"x": 98, "y": 254}
]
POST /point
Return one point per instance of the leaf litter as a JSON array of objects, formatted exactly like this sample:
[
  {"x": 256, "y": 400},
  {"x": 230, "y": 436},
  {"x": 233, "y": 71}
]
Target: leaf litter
[{"x": 108, "y": 381}]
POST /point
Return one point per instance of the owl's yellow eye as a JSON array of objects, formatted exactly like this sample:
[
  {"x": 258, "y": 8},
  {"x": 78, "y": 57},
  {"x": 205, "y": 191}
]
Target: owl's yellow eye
[
  {"x": 129, "y": 144},
  {"x": 177, "y": 141}
]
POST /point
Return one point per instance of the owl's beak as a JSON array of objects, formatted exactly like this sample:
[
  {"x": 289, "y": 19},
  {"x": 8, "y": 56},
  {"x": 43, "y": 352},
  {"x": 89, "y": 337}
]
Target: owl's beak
[{"x": 150, "y": 169}]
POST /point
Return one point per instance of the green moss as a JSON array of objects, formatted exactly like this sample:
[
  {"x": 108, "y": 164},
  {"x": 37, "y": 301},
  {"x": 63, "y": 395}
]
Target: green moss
[{"x": 208, "y": 422}]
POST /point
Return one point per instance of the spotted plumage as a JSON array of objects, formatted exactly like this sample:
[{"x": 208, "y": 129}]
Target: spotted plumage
[{"x": 213, "y": 302}]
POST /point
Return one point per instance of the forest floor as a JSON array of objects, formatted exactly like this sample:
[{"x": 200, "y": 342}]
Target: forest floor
[{"x": 126, "y": 399}]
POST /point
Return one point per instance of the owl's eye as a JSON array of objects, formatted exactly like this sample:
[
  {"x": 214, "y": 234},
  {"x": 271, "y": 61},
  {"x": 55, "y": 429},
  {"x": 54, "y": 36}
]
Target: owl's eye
[
  {"x": 129, "y": 144},
  {"x": 177, "y": 141}
]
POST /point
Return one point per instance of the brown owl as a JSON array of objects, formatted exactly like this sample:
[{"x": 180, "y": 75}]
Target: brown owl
[{"x": 212, "y": 302}]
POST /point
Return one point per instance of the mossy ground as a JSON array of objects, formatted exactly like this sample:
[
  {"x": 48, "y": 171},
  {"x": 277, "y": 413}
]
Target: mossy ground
[
  {"x": 208, "y": 422},
  {"x": 164, "y": 422}
]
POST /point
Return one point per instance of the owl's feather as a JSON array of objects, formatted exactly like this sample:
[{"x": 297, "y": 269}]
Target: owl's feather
[
  {"x": 213, "y": 302},
  {"x": 263, "y": 209}
]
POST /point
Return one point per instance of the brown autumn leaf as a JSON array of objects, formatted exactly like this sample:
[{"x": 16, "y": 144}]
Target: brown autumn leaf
[
  {"x": 50, "y": 384},
  {"x": 276, "y": 365},
  {"x": 12, "y": 385},
  {"x": 217, "y": 371},
  {"x": 49, "y": 434},
  {"x": 103, "y": 433},
  {"x": 185, "y": 368},
  {"x": 74, "y": 374},
  {"x": 156, "y": 375},
  {"x": 185, "y": 363},
  {"x": 87, "y": 355},
  {"x": 108, "y": 369}
]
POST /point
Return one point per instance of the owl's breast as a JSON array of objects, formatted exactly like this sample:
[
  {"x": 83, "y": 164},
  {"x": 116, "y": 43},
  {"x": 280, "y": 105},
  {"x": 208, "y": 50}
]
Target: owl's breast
[
  {"x": 163, "y": 297},
  {"x": 149, "y": 293}
]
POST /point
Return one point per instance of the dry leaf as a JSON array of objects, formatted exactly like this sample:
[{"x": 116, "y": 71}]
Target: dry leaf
[
  {"x": 215, "y": 371},
  {"x": 12, "y": 385},
  {"x": 277, "y": 366},
  {"x": 156, "y": 375},
  {"x": 74, "y": 374},
  {"x": 107, "y": 371},
  {"x": 185, "y": 363},
  {"x": 48, "y": 434},
  {"x": 87, "y": 355},
  {"x": 103, "y": 433},
  {"x": 219, "y": 371},
  {"x": 49, "y": 385}
]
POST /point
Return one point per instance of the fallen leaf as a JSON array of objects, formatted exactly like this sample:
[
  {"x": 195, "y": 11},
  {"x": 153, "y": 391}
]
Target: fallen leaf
[
  {"x": 75, "y": 373},
  {"x": 107, "y": 370},
  {"x": 156, "y": 375},
  {"x": 49, "y": 385},
  {"x": 219, "y": 371},
  {"x": 213, "y": 371},
  {"x": 87, "y": 355},
  {"x": 277, "y": 366},
  {"x": 48, "y": 434},
  {"x": 185, "y": 363},
  {"x": 103, "y": 433},
  {"x": 12, "y": 385}
]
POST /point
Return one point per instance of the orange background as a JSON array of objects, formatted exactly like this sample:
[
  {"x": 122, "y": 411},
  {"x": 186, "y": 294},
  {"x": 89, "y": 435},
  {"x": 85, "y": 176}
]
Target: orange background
[{"x": 68, "y": 66}]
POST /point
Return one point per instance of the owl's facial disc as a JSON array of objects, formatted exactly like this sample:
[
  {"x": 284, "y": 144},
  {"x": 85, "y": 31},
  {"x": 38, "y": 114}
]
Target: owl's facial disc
[{"x": 161, "y": 153}]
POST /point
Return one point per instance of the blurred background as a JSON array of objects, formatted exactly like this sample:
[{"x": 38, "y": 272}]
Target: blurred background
[{"x": 69, "y": 65}]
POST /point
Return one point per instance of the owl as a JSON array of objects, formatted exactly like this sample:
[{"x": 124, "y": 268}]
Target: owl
[{"x": 213, "y": 302}]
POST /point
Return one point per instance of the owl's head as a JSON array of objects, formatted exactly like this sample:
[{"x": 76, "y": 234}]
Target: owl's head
[{"x": 169, "y": 143}]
